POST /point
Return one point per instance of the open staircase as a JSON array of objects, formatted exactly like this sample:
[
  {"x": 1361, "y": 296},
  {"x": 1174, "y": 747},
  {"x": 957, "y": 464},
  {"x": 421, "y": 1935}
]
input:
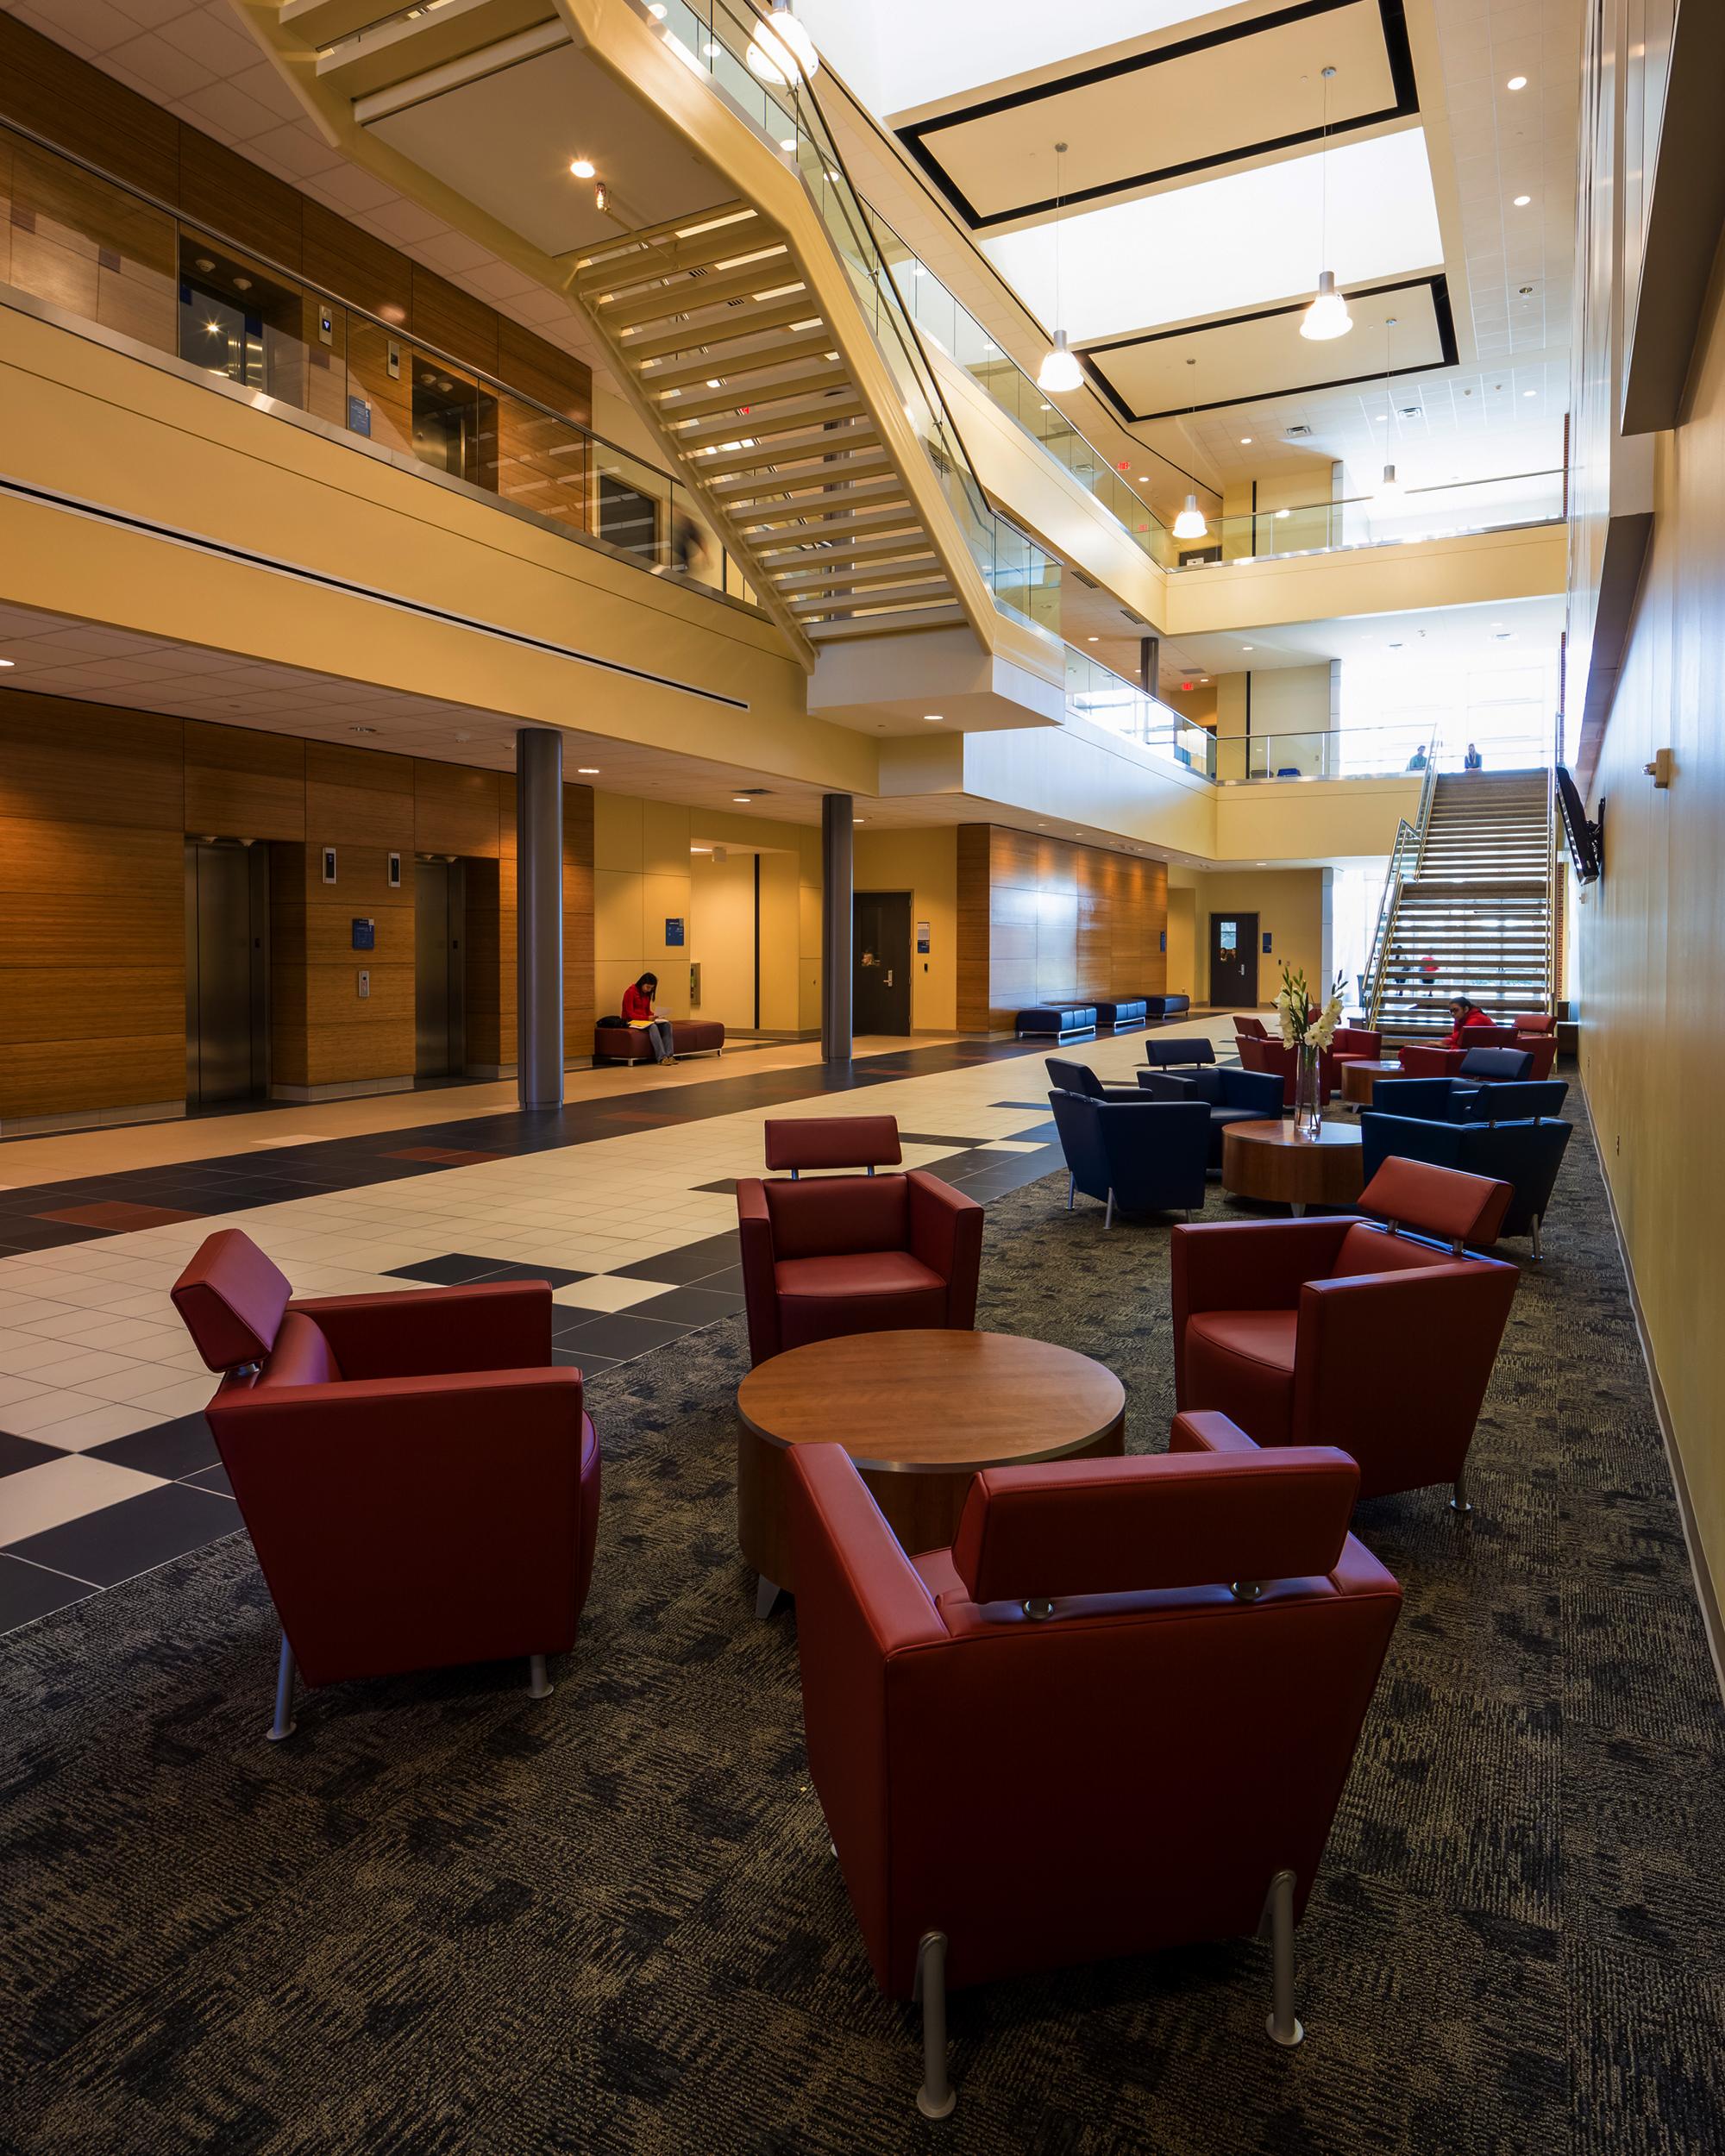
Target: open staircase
[{"x": 1474, "y": 918}]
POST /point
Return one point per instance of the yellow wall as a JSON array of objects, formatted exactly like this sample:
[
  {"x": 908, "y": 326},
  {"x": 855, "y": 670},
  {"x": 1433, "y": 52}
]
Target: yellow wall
[
  {"x": 1652, "y": 956},
  {"x": 1183, "y": 933},
  {"x": 644, "y": 874},
  {"x": 925, "y": 863},
  {"x": 1289, "y": 907}
]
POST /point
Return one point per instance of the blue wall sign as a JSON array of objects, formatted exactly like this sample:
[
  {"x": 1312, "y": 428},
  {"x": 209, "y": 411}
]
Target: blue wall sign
[
  {"x": 359, "y": 416},
  {"x": 673, "y": 931},
  {"x": 365, "y": 935}
]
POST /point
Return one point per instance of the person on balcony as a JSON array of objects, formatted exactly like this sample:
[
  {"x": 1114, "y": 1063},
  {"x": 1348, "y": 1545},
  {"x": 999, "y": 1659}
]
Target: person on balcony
[
  {"x": 1472, "y": 761},
  {"x": 1418, "y": 761},
  {"x": 640, "y": 1016},
  {"x": 1464, "y": 1013}
]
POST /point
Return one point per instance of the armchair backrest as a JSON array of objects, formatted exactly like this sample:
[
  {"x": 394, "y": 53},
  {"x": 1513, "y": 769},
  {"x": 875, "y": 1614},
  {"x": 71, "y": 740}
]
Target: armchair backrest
[
  {"x": 832, "y": 1141},
  {"x": 1250, "y": 1029},
  {"x": 1434, "y": 1100},
  {"x": 1520, "y": 1099},
  {"x": 1088, "y": 1527},
  {"x": 838, "y": 1216},
  {"x": 231, "y": 1299},
  {"x": 1070, "y": 1077},
  {"x": 1151, "y": 1153},
  {"x": 1356, "y": 1040},
  {"x": 1163, "y": 1055},
  {"x": 1525, "y": 1155},
  {"x": 1490, "y": 1065},
  {"x": 1442, "y": 1202},
  {"x": 1198, "y": 1081},
  {"x": 1533, "y": 1022}
]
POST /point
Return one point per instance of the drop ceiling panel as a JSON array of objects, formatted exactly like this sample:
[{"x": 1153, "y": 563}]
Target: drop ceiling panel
[
  {"x": 1264, "y": 354},
  {"x": 1218, "y": 96},
  {"x": 506, "y": 139}
]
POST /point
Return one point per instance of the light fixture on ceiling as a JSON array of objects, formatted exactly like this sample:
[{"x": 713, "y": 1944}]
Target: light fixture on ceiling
[
  {"x": 934, "y": 718},
  {"x": 1521, "y": 201},
  {"x": 1517, "y": 82},
  {"x": 601, "y": 195},
  {"x": 583, "y": 168},
  {"x": 781, "y": 49},
  {"x": 7, "y": 662},
  {"x": 1190, "y": 522},
  {"x": 587, "y": 771},
  {"x": 1327, "y": 316},
  {"x": 747, "y": 801},
  {"x": 1059, "y": 370},
  {"x": 1245, "y": 441},
  {"x": 1248, "y": 647}
]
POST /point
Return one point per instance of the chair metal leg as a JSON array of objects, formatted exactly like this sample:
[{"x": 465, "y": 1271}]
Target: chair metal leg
[
  {"x": 767, "y": 1597},
  {"x": 1071, "y": 1192},
  {"x": 1538, "y": 1252},
  {"x": 935, "y": 2099},
  {"x": 1282, "y": 2023},
  {"x": 1297, "y": 1209},
  {"x": 1109, "y": 1217},
  {"x": 1461, "y": 1502},
  {"x": 539, "y": 1686},
  {"x": 284, "y": 1725}
]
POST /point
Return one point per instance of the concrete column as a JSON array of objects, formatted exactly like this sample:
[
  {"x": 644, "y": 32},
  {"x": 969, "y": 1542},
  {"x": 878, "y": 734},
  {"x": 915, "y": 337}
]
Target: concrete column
[
  {"x": 837, "y": 841},
  {"x": 539, "y": 915}
]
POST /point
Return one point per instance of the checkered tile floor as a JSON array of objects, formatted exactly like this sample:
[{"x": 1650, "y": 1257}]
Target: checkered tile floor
[{"x": 107, "y": 1468}]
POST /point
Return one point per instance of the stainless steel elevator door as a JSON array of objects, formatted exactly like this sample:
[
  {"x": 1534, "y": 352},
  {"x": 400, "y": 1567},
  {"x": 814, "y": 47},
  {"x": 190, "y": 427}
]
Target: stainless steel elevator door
[
  {"x": 440, "y": 1032},
  {"x": 225, "y": 1020}
]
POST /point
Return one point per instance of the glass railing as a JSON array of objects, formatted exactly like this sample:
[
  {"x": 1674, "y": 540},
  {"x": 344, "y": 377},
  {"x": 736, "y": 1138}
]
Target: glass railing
[
  {"x": 1366, "y": 752},
  {"x": 1096, "y": 693},
  {"x": 1367, "y": 520},
  {"x": 111, "y": 257},
  {"x": 1402, "y": 856}
]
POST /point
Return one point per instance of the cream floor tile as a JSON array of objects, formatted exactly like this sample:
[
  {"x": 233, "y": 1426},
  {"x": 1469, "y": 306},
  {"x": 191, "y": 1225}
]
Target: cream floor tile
[
  {"x": 115, "y": 1419},
  {"x": 70, "y": 1371},
  {"x": 135, "y": 1336},
  {"x": 38, "y": 1498},
  {"x": 136, "y": 1381},
  {"x": 48, "y": 1348},
  {"x": 185, "y": 1396},
  {"x": 15, "y": 1387},
  {"x": 36, "y": 1416},
  {"x": 606, "y": 1291},
  {"x": 26, "y": 1312}
]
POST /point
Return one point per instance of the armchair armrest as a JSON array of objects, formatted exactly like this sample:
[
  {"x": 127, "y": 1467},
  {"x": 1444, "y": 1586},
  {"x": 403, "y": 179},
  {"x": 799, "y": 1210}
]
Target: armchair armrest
[
  {"x": 1430, "y": 1062},
  {"x": 436, "y": 1330},
  {"x": 1260, "y": 1089},
  {"x": 1161, "y": 1085},
  {"x": 1245, "y": 1265},
  {"x": 1205, "y": 1431},
  {"x": 760, "y": 1290},
  {"x": 946, "y": 1235}
]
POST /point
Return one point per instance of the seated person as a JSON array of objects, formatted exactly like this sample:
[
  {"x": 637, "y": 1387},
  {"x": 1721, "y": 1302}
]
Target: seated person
[
  {"x": 1464, "y": 1013},
  {"x": 641, "y": 1015}
]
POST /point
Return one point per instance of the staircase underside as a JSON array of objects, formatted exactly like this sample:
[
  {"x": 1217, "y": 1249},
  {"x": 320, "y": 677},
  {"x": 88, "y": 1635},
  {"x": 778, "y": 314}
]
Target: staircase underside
[{"x": 712, "y": 320}]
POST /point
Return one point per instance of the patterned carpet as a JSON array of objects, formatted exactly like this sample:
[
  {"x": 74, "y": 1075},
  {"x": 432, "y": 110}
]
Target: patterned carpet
[{"x": 445, "y": 1921}]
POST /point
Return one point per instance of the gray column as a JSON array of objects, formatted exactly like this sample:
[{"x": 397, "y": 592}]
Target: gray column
[
  {"x": 1149, "y": 663},
  {"x": 539, "y": 916},
  {"x": 837, "y": 841}
]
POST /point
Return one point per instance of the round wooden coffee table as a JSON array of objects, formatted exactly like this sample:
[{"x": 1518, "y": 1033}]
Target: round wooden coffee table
[
  {"x": 919, "y": 1412},
  {"x": 1270, "y": 1160},
  {"x": 1359, "y": 1077}
]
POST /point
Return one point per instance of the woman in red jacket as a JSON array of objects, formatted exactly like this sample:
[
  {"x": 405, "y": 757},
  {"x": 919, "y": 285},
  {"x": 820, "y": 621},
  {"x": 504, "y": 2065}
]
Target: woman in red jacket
[
  {"x": 639, "y": 1015},
  {"x": 1465, "y": 1014}
]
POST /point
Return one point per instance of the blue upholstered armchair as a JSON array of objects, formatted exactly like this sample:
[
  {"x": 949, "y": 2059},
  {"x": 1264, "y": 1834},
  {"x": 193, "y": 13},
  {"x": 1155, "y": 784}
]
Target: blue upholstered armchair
[
  {"x": 1525, "y": 1155},
  {"x": 1141, "y": 1155},
  {"x": 1459, "y": 1100},
  {"x": 1069, "y": 1077},
  {"x": 1231, "y": 1096},
  {"x": 1165, "y": 1055}
]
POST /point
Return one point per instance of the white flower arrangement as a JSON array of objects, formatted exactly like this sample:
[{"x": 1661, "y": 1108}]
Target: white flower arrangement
[{"x": 1294, "y": 1013}]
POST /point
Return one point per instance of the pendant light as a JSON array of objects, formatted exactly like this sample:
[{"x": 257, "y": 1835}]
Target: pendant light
[
  {"x": 1190, "y": 522},
  {"x": 1327, "y": 316},
  {"x": 781, "y": 49},
  {"x": 1059, "y": 370},
  {"x": 1388, "y": 492}
]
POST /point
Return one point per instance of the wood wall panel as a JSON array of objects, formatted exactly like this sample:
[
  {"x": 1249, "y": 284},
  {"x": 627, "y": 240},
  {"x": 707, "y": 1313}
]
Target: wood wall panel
[
  {"x": 355, "y": 264},
  {"x": 358, "y": 797},
  {"x": 543, "y": 371},
  {"x": 79, "y": 763},
  {"x": 241, "y": 785},
  {"x": 239, "y": 199},
  {"x": 1046, "y": 920},
  {"x": 50, "y": 90},
  {"x": 454, "y": 810},
  {"x": 456, "y": 322}
]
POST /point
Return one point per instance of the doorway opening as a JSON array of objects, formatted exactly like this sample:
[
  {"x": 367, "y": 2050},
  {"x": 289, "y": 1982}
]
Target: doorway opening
[
  {"x": 1233, "y": 961},
  {"x": 881, "y": 944},
  {"x": 439, "y": 966},
  {"x": 227, "y": 971}
]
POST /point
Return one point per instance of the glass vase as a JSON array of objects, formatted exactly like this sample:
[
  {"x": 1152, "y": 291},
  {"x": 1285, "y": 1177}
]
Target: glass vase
[{"x": 1309, "y": 1091}]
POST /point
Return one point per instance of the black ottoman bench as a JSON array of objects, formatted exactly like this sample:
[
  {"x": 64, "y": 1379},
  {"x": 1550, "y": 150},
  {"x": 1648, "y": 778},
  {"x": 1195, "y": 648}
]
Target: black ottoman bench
[
  {"x": 1123, "y": 1011},
  {"x": 1174, "y": 1006},
  {"x": 1059, "y": 1021}
]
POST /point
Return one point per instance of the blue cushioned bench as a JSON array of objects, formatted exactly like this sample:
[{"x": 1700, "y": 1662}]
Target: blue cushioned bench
[
  {"x": 1059, "y": 1021},
  {"x": 1174, "y": 1006},
  {"x": 1123, "y": 1012}
]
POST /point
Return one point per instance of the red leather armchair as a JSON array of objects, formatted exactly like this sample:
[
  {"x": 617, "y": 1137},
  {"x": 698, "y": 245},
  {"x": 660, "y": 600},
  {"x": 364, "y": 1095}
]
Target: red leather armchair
[
  {"x": 1422, "y": 1060},
  {"x": 418, "y": 1480},
  {"x": 852, "y": 1253},
  {"x": 1536, "y": 1033},
  {"x": 983, "y": 1721},
  {"x": 1356, "y": 1045},
  {"x": 1249, "y": 1028},
  {"x": 1346, "y": 1331}
]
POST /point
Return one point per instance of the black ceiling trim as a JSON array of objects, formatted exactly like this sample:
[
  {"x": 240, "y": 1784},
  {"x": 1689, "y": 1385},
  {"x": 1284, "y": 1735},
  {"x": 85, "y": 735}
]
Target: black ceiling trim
[
  {"x": 1400, "y": 54},
  {"x": 1438, "y": 284}
]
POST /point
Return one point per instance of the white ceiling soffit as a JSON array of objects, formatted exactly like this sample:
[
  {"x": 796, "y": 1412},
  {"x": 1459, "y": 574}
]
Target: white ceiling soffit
[
  {"x": 1216, "y": 96},
  {"x": 505, "y": 138},
  {"x": 1249, "y": 357},
  {"x": 1231, "y": 246}
]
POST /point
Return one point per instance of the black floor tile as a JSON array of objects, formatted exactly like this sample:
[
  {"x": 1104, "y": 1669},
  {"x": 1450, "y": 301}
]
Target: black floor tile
[
  {"x": 1042, "y": 1133},
  {"x": 620, "y": 1334},
  {"x": 559, "y": 1275},
  {"x": 588, "y": 1365},
  {"x": 28, "y": 1590},
  {"x": 135, "y": 1535},
  {"x": 687, "y": 1306},
  {"x": 726, "y": 1187},
  {"x": 175, "y": 1449},
  {"x": 729, "y": 1282},
  {"x": 214, "y": 1478},
  {"x": 926, "y": 1138},
  {"x": 693, "y": 1261},
  {"x": 1042, "y": 1103},
  {"x": 21, "y": 1453},
  {"x": 460, "y": 1269}
]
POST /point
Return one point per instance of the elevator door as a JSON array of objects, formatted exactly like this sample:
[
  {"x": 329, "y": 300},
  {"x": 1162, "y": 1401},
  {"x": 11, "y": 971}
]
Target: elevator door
[
  {"x": 227, "y": 988},
  {"x": 439, "y": 1027}
]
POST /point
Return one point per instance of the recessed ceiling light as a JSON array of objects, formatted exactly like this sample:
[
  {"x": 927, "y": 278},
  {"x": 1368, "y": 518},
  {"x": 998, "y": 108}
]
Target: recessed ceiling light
[
  {"x": 747, "y": 800},
  {"x": 1521, "y": 201},
  {"x": 656, "y": 9},
  {"x": 587, "y": 771},
  {"x": 583, "y": 167},
  {"x": 859, "y": 819},
  {"x": 1090, "y": 640},
  {"x": 934, "y": 718},
  {"x": 1517, "y": 82},
  {"x": 1245, "y": 441},
  {"x": 7, "y": 662},
  {"x": 1248, "y": 647},
  {"x": 789, "y": 142},
  {"x": 1527, "y": 393}
]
